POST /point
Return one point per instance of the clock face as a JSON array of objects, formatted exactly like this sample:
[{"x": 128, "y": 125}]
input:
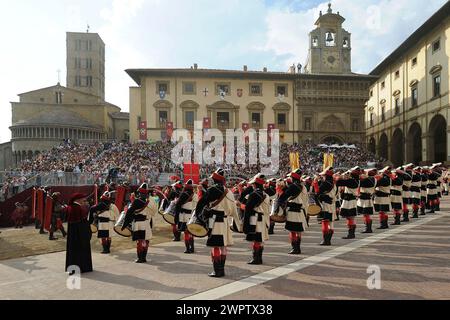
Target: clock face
[{"x": 331, "y": 59}]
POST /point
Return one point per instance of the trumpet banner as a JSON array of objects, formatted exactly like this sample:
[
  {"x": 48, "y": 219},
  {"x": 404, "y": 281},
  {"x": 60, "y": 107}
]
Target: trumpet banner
[
  {"x": 294, "y": 158},
  {"x": 328, "y": 160}
]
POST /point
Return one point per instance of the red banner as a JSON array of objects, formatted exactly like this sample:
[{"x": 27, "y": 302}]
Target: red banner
[
  {"x": 33, "y": 203},
  {"x": 192, "y": 171},
  {"x": 120, "y": 197},
  {"x": 206, "y": 123},
  {"x": 95, "y": 194},
  {"x": 48, "y": 212},
  {"x": 143, "y": 130},
  {"x": 169, "y": 129},
  {"x": 245, "y": 126},
  {"x": 40, "y": 205},
  {"x": 270, "y": 127}
]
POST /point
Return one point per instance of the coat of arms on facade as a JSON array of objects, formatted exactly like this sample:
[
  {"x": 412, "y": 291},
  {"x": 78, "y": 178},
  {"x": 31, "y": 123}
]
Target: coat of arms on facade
[
  {"x": 162, "y": 94},
  {"x": 239, "y": 93},
  {"x": 280, "y": 97},
  {"x": 222, "y": 94}
]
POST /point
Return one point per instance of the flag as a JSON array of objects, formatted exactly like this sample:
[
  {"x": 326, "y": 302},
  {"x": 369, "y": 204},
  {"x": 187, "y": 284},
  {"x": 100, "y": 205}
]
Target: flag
[
  {"x": 169, "y": 130},
  {"x": 328, "y": 160},
  {"x": 294, "y": 159},
  {"x": 143, "y": 130},
  {"x": 206, "y": 123},
  {"x": 191, "y": 171}
]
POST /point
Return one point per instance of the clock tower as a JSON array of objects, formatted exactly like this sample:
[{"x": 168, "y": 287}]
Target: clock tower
[{"x": 329, "y": 46}]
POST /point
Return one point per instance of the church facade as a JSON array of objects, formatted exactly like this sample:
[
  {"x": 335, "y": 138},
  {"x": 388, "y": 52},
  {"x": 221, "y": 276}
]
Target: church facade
[{"x": 321, "y": 103}]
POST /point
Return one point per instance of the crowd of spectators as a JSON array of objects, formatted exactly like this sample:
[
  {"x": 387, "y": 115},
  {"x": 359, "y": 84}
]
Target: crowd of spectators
[{"x": 71, "y": 163}]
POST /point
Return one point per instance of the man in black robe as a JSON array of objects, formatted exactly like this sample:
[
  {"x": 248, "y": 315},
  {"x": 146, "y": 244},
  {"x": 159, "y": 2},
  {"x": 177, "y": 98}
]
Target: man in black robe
[{"x": 78, "y": 234}]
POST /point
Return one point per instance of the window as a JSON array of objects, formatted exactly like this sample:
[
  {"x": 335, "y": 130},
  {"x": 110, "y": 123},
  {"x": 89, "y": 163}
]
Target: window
[
  {"x": 397, "y": 74},
  {"x": 330, "y": 39},
  {"x": 281, "y": 119},
  {"x": 163, "y": 118},
  {"x": 436, "y": 86},
  {"x": 307, "y": 124},
  {"x": 346, "y": 43},
  {"x": 436, "y": 45},
  {"x": 162, "y": 86},
  {"x": 256, "y": 120},
  {"x": 315, "y": 42},
  {"x": 382, "y": 113},
  {"x": 414, "y": 97},
  {"x": 371, "y": 93},
  {"x": 255, "y": 89},
  {"x": 371, "y": 119},
  {"x": 58, "y": 96},
  {"x": 281, "y": 90},
  {"x": 223, "y": 120},
  {"x": 189, "y": 119},
  {"x": 397, "y": 106},
  {"x": 189, "y": 88},
  {"x": 355, "y": 125},
  {"x": 225, "y": 87},
  {"x": 383, "y": 84},
  {"x": 414, "y": 61}
]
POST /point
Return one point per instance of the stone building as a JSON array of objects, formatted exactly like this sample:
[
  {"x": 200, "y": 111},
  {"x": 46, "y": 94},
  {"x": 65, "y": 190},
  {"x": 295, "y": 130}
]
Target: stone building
[
  {"x": 408, "y": 110},
  {"x": 323, "y": 102}
]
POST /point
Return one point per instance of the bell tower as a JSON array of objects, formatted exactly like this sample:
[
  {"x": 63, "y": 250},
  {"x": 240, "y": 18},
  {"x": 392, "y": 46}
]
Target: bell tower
[{"x": 329, "y": 46}]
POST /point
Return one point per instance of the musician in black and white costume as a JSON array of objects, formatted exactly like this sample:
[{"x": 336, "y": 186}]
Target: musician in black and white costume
[
  {"x": 437, "y": 168},
  {"x": 367, "y": 183},
  {"x": 396, "y": 197},
  {"x": 415, "y": 190},
  {"x": 382, "y": 200},
  {"x": 270, "y": 190},
  {"x": 104, "y": 213},
  {"x": 350, "y": 182},
  {"x": 295, "y": 198},
  {"x": 406, "y": 190},
  {"x": 423, "y": 190},
  {"x": 140, "y": 212},
  {"x": 255, "y": 218},
  {"x": 175, "y": 191},
  {"x": 326, "y": 192},
  {"x": 183, "y": 212},
  {"x": 432, "y": 193},
  {"x": 220, "y": 235}
]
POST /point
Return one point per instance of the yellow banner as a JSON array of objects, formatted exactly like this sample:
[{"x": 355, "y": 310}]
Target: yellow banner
[
  {"x": 294, "y": 159},
  {"x": 328, "y": 160}
]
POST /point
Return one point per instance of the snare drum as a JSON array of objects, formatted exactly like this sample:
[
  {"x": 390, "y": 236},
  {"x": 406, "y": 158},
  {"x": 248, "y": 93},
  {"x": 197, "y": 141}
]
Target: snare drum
[
  {"x": 169, "y": 213},
  {"x": 119, "y": 224},
  {"x": 94, "y": 227},
  {"x": 278, "y": 212},
  {"x": 197, "y": 226},
  {"x": 163, "y": 206},
  {"x": 313, "y": 208}
]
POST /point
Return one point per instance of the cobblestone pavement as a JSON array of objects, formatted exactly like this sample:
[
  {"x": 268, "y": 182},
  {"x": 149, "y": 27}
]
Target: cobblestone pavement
[{"x": 414, "y": 262}]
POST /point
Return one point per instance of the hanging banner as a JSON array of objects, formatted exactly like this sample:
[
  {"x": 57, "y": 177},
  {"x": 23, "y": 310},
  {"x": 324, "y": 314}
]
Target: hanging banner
[
  {"x": 40, "y": 205},
  {"x": 206, "y": 123},
  {"x": 48, "y": 212},
  {"x": 33, "y": 203},
  {"x": 169, "y": 130},
  {"x": 120, "y": 197},
  {"x": 191, "y": 171},
  {"x": 143, "y": 130}
]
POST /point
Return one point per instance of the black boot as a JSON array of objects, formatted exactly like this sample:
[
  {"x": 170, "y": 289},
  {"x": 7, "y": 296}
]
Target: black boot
[
  {"x": 368, "y": 228},
  {"x": 295, "y": 247},
  {"x": 51, "y": 237},
  {"x": 415, "y": 214},
  {"x": 396, "y": 220},
  {"x": 191, "y": 243},
  {"x": 327, "y": 239},
  {"x": 144, "y": 255},
  {"x": 438, "y": 207},
  {"x": 64, "y": 233},
  {"x": 176, "y": 236},
  {"x": 257, "y": 256},
  {"x": 383, "y": 225},
  {"x": 422, "y": 211},
  {"x": 42, "y": 231},
  {"x": 219, "y": 269},
  {"x": 139, "y": 259},
  {"x": 405, "y": 217},
  {"x": 272, "y": 226},
  {"x": 351, "y": 233},
  {"x": 188, "y": 246}
]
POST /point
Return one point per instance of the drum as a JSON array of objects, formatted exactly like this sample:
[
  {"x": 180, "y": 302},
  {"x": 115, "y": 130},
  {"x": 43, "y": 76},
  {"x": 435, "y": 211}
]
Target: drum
[
  {"x": 163, "y": 206},
  {"x": 169, "y": 213},
  {"x": 197, "y": 226},
  {"x": 278, "y": 212},
  {"x": 313, "y": 208},
  {"x": 119, "y": 224},
  {"x": 94, "y": 227}
]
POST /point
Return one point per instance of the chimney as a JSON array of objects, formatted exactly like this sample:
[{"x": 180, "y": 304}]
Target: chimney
[
  {"x": 265, "y": 69},
  {"x": 245, "y": 68},
  {"x": 195, "y": 66}
]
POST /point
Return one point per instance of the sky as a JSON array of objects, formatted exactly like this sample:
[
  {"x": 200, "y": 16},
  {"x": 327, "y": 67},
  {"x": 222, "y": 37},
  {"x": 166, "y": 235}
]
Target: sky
[{"x": 178, "y": 33}]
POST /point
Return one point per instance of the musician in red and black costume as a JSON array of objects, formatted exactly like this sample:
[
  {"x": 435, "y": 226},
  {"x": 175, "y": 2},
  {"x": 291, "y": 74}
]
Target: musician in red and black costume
[
  {"x": 350, "y": 182},
  {"x": 415, "y": 190},
  {"x": 56, "y": 222},
  {"x": 220, "y": 235},
  {"x": 138, "y": 212},
  {"x": 396, "y": 196},
  {"x": 174, "y": 193},
  {"x": 100, "y": 212},
  {"x": 254, "y": 218},
  {"x": 432, "y": 192},
  {"x": 295, "y": 198},
  {"x": 270, "y": 190},
  {"x": 326, "y": 191},
  {"x": 78, "y": 234},
  {"x": 202, "y": 188},
  {"x": 423, "y": 190},
  {"x": 183, "y": 213},
  {"x": 406, "y": 174}
]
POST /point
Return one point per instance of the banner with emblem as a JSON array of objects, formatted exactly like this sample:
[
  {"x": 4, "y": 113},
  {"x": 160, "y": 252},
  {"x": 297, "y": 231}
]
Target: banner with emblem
[
  {"x": 240, "y": 92},
  {"x": 294, "y": 159},
  {"x": 169, "y": 130},
  {"x": 328, "y": 160},
  {"x": 143, "y": 130},
  {"x": 270, "y": 127},
  {"x": 206, "y": 123}
]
